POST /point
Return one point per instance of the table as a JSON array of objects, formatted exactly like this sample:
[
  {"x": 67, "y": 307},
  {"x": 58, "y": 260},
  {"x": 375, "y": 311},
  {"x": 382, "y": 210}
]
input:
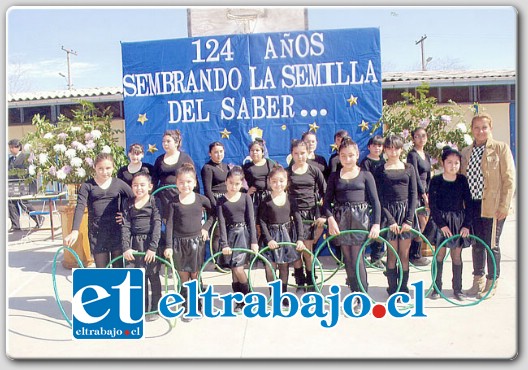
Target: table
[{"x": 43, "y": 197}]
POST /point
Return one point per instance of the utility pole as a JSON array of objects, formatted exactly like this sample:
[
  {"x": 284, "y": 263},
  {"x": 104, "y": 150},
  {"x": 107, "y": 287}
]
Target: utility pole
[
  {"x": 421, "y": 42},
  {"x": 68, "y": 52}
]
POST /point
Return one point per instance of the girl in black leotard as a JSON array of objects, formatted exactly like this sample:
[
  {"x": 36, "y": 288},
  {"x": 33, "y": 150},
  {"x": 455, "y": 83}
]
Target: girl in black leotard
[
  {"x": 214, "y": 174},
  {"x": 306, "y": 186},
  {"x": 102, "y": 195},
  {"x": 186, "y": 235},
  {"x": 350, "y": 195},
  {"x": 397, "y": 192},
  {"x": 141, "y": 232},
  {"x": 236, "y": 222},
  {"x": 135, "y": 154}
]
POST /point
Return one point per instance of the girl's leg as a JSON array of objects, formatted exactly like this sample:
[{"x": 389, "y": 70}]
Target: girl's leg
[
  {"x": 119, "y": 262},
  {"x": 403, "y": 253},
  {"x": 350, "y": 256},
  {"x": 308, "y": 259},
  {"x": 439, "y": 270},
  {"x": 392, "y": 273},
  {"x": 298, "y": 273},
  {"x": 101, "y": 259},
  {"x": 456, "y": 258}
]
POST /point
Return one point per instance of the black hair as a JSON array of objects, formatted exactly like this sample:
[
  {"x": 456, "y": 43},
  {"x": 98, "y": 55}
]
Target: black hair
[
  {"x": 236, "y": 171},
  {"x": 375, "y": 140},
  {"x": 144, "y": 174},
  {"x": 393, "y": 141},
  {"x": 258, "y": 142},
  {"x": 447, "y": 151},
  {"x": 295, "y": 143},
  {"x": 215, "y": 143},
  {"x": 341, "y": 134},
  {"x": 303, "y": 136},
  {"x": 277, "y": 168},
  {"x": 416, "y": 130},
  {"x": 15, "y": 143},
  {"x": 348, "y": 142}
]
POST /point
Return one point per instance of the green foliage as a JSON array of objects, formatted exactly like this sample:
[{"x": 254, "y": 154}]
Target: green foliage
[
  {"x": 64, "y": 152},
  {"x": 445, "y": 124}
]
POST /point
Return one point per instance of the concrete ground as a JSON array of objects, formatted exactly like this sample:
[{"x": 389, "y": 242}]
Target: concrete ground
[{"x": 36, "y": 329}]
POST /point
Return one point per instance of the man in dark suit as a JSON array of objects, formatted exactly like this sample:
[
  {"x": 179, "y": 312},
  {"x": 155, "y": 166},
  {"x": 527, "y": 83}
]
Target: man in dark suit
[{"x": 18, "y": 160}]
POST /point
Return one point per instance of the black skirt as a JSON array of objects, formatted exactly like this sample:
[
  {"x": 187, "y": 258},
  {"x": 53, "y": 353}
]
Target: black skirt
[
  {"x": 140, "y": 243},
  {"x": 257, "y": 198},
  {"x": 308, "y": 227},
  {"x": 351, "y": 216},
  {"x": 189, "y": 253},
  {"x": 104, "y": 239},
  {"x": 237, "y": 237},
  {"x": 454, "y": 220},
  {"x": 398, "y": 210},
  {"x": 285, "y": 253}
]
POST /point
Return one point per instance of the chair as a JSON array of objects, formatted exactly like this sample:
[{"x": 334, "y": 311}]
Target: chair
[{"x": 48, "y": 208}]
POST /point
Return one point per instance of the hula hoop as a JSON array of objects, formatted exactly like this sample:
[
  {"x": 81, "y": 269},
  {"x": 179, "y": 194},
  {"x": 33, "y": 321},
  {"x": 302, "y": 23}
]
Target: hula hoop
[
  {"x": 54, "y": 279},
  {"x": 211, "y": 252},
  {"x": 442, "y": 245},
  {"x": 175, "y": 276},
  {"x": 163, "y": 188}
]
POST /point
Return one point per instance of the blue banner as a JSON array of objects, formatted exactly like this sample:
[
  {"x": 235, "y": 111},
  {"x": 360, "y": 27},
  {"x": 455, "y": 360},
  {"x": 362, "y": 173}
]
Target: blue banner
[{"x": 234, "y": 88}]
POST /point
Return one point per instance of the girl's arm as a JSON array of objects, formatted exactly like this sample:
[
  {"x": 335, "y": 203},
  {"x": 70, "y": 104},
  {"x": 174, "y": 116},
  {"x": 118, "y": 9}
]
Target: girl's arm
[
  {"x": 250, "y": 219},
  {"x": 222, "y": 226},
  {"x": 412, "y": 197},
  {"x": 156, "y": 224}
]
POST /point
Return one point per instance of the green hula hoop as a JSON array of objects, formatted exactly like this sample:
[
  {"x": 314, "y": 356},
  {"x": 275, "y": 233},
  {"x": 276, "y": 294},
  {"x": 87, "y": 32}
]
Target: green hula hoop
[
  {"x": 54, "y": 279},
  {"x": 175, "y": 277},
  {"x": 211, "y": 252},
  {"x": 163, "y": 188},
  {"x": 442, "y": 245}
]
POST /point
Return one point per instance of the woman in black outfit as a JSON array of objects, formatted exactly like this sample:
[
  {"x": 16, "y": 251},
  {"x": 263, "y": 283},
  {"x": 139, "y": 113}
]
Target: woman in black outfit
[
  {"x": 421, "y": 161},
  {"x": 397, "y": 193}
]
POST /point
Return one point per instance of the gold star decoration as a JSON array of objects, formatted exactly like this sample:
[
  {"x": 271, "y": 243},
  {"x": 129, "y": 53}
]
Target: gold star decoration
[
  {"x": 225, "y": 134},
  {"x": 152, "y": 148},
  {"x": 364, "y": 125},
  {"x": 313, "y": 127},
  {"x": 283, "y": 127},
  {"x": 142, "y": 118},
  {"x": 255, "y": 132},
  {"x": 334, "y": 147},
  {"x": 352, "y": 100}
]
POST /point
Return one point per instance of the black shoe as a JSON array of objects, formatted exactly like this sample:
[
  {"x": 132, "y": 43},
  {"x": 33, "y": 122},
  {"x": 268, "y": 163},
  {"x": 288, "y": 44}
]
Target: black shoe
[
  {"x": 186, "y": 319},
  {"x": 422, "y": 261},
  {"x": 377, "y": 264},
  {"x": 152, "y": 317},
  {"x": 435, "y": 295},
  {"x": 238, "y": 307},
  {"x": 13, "y": 229},
  {"x": 356, "y": 306},
  {"x": 285, "y": 302},
  {"x": 460, "y": 296}
]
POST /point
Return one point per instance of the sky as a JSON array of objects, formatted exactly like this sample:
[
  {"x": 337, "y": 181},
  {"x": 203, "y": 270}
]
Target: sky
[{"x": 463, "y": 38}]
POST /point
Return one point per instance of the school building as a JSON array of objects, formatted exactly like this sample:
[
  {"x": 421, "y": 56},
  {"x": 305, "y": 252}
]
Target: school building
[{"x": 494, "y": 90}]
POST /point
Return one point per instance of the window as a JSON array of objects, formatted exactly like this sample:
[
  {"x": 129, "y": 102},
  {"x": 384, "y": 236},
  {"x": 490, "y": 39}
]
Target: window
[
  {"x": 393, "y": 95},
  {"x": 14, "y": 116},
  {"x": 493, "y": 93},
  {"x": 114, "y": 107},
  {"x": 29, "y": 112},
  {"x": 456, "y": 94}
]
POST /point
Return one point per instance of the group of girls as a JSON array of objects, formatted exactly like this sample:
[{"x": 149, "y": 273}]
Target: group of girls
[{"x": 260, "y": 206}]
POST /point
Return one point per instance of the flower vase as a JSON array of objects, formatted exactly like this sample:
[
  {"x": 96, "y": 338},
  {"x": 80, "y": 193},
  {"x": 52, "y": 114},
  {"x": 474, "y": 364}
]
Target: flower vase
[{"x": 82, "y": 245}]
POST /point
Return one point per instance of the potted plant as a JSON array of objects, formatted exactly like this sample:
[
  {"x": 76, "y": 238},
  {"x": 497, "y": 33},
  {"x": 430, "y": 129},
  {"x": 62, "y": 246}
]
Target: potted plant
[{"x": 64, "y": 153}]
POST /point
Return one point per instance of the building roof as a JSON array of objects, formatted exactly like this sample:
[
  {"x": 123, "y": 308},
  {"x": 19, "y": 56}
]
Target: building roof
[{"x": 390, "y": 80}]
